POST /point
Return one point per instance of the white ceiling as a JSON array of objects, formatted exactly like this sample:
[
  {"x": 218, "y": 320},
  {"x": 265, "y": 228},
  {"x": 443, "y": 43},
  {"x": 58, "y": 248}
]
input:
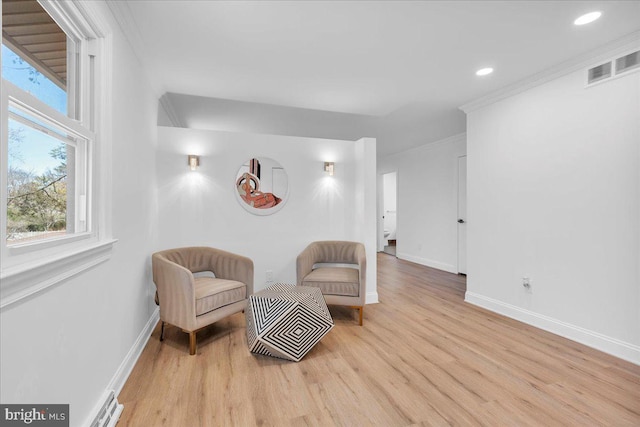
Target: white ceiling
[{"x": 403, "y": 60}]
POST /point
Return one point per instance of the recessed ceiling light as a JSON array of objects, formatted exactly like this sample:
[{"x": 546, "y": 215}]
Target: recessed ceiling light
[
  {"x": 587, "y": 18},
  {"x": 484, "y": 71}
]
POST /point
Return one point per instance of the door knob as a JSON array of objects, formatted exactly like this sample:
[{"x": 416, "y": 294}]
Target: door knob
[{"x": 460, "y": 221}]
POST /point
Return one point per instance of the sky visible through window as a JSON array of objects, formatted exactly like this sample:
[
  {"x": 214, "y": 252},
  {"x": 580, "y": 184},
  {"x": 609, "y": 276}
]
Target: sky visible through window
[{"x": 33, "y": 152}]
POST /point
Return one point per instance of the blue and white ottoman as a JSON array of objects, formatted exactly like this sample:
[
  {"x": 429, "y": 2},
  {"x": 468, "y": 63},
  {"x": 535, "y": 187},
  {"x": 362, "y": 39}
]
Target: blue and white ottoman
[{"x": 286, "y": 321}]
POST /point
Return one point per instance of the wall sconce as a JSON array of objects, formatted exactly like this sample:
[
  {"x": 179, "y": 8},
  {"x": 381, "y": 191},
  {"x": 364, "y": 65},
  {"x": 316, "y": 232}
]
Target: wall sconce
[
  {"x": 328, "y": 167},
  {"x": 193, "y": 162}
]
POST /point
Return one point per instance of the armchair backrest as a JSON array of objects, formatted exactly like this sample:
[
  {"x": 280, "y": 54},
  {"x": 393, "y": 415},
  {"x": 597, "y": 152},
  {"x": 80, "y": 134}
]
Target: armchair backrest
[
  {"x": 335, "y": 251},
  {"x": 224, "y": 265}
]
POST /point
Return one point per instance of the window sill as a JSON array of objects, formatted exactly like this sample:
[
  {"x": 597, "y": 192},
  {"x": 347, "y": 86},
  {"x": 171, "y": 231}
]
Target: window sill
[
  {"x": 23, "y": 248},
  {"x": 29, "y": 279}
]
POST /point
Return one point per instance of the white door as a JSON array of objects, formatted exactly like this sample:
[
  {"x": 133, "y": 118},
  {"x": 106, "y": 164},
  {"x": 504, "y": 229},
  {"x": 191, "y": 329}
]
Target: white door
[{"x": 462, "y": 214}]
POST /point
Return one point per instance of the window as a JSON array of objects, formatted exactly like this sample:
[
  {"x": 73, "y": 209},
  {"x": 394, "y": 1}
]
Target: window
[
  {"x": 50, "y": 193},
  {"x": 46, "y": 178}
]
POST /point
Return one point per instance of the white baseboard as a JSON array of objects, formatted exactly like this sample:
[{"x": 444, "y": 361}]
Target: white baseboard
[
  {"x": 371, "y": 298},
  {"x": 613, "y": 346},
  {"x": 429, "y": 263},
  {"x": 123, "y": 372}
]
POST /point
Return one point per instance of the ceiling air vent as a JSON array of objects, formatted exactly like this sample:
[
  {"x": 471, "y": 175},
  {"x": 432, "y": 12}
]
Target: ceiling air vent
[
  {"x": 599, "y": 73},
  {"x": 628, "y": 62}
]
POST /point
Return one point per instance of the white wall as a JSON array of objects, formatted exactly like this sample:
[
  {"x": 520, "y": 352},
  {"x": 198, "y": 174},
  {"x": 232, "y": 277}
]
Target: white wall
[
  {"x": 554, "y": 195},
  {"x": 407, "y": 127},
  {"x": 365, "y": 201},
  {"x": 200, "y": 208},
  {"x": 68, "y": 343},
  {"x": 427, "y": 231}
]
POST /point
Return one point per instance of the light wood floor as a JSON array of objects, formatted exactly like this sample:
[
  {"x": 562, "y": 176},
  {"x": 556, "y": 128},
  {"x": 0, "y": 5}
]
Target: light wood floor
[{"x": 423, "y": 357}]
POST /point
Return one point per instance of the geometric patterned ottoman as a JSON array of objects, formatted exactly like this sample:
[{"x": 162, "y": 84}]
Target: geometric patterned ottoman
[{"x": 286, "y": 321}]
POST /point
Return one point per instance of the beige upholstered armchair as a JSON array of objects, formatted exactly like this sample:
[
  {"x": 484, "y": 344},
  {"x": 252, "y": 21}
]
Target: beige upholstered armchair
[
  {"x": 322, "y": 264},
  {"x": 191, "y": 303}
]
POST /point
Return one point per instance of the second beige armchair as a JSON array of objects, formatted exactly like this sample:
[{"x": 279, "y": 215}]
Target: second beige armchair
[
  {"x": 322, "y": 264},
  {"x": 192, "y": 303}
]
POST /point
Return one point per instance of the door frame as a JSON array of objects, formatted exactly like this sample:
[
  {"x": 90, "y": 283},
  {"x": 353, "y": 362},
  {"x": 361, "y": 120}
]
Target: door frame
[
  {"x": 458, "y": 216},
  {"x": 380, "y": 219}
]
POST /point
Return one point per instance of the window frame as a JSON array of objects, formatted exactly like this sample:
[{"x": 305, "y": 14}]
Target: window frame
[{"x": 31, "y": 267}]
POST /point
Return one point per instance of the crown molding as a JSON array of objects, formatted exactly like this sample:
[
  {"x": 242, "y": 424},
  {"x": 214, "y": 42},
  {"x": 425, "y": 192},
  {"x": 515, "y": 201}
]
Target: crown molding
[
  {"x": 124, "y": 18},
  {"x": 167, "y": 105},
  {"x": 590, "y": 58}
]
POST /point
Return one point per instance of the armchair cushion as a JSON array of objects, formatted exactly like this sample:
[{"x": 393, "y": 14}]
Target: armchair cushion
[
  {"x": 334, "y": 280},
  {"x": 213, "y": 293}
]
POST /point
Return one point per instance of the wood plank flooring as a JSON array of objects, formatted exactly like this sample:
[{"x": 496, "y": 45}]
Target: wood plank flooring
[{"x": 423, "y": 357}]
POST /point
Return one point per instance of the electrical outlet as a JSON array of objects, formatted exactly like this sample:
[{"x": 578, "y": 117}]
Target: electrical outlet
[
  {"x": 269, "y": 276},
  {"x": 526, "y": 282}
]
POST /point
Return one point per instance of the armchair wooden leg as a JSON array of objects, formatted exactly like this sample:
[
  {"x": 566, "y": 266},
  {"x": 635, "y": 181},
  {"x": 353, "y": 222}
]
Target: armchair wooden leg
[
  {"x": 192, "y": 343},
  {"x": 162, "y": 332},
  {"x": 360, "y": 310}
]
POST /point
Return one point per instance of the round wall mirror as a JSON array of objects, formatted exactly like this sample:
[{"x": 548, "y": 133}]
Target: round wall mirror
[{"x": 262, "y": 186}]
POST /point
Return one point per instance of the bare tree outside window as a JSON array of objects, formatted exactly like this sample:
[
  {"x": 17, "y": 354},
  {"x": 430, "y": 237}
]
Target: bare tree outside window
[{"x": 36, "y": 201}]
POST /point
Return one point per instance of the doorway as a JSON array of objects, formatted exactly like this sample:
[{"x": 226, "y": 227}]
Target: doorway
[{"x": 389, "y": 216}]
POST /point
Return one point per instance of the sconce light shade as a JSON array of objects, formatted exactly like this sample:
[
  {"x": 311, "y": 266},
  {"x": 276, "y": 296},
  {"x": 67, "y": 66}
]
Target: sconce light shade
[
  {"x": 194, "y": 162},
  {"x": 328, "y": 167}
]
